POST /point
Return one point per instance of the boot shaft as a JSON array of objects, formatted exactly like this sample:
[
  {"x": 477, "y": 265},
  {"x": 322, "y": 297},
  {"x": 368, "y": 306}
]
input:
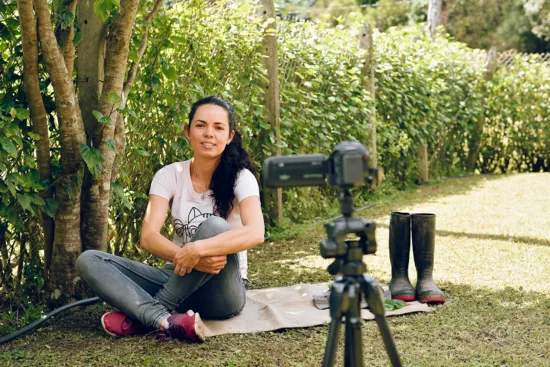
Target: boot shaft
[
  {"x": 400, "y": 241},
  {"x": 423, "y": 242}
]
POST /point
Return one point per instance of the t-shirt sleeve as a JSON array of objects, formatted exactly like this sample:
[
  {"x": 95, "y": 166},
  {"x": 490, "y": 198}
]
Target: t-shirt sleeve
[
  {"x": 246, "y": 186},
  {"x": 164, "y": 183}
]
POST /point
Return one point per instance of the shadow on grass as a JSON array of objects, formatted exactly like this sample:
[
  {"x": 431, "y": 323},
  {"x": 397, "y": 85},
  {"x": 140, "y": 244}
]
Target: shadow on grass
[
  {"x": 496, "y": 237},
  {"x": 382, "y": 203},
  {"x": 488, "y": 236}
]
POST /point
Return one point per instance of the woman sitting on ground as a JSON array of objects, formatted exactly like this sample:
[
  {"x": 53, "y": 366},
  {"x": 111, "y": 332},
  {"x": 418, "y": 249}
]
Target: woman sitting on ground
[{"x": 215, "y": 207}]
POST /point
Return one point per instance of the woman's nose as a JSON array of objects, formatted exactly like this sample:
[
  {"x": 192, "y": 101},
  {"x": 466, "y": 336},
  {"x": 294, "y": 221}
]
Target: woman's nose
[{"x": 209, "y": 131}]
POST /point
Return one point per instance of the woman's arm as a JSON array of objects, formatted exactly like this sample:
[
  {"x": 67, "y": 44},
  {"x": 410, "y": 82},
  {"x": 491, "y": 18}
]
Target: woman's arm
[
  {"x": 151, "y": 239},
  {"x": 249, "y": 235}
]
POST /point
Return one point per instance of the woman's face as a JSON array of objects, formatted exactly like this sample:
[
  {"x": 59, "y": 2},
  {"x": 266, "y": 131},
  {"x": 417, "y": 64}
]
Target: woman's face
[{"x": 209, "y": 131}]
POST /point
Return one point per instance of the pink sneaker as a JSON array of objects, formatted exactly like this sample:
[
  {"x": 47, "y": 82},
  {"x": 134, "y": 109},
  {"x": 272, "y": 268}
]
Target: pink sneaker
[
  {"x": 187, "y": 326},
  {"x": 118, "y": 324}
]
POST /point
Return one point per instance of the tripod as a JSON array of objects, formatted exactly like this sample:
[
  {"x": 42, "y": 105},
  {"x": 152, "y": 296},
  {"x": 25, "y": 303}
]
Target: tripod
[{"x": 346, "y": 292}]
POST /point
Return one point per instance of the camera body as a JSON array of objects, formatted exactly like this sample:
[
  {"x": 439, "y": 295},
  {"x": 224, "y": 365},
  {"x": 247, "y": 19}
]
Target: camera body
[{"x": 345, "y": 167}]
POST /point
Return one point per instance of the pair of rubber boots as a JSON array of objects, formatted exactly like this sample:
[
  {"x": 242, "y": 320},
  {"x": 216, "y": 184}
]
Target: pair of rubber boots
[{"x": 422, "y": 228}]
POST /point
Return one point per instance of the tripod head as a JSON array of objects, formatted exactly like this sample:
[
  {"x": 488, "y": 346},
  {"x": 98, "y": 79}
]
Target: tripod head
[{"x": 348, "y": 254}]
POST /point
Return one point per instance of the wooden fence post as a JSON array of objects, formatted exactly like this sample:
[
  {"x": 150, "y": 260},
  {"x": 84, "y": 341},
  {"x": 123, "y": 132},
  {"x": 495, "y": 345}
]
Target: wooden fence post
[
  {"x": 274, "y": 198},
  {"x": 435, "y": 8},
  {"x": 475, "y": 141},
  {"x": 367, "y": 73},
  {"x": 366, "y": 43}
]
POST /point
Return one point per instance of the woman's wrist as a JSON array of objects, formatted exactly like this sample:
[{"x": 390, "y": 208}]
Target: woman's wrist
[{"x": 196, "y": 247}]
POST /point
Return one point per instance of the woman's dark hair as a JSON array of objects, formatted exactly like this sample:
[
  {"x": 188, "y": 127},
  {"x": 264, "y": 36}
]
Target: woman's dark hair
[{"x": 234, "y": 158}]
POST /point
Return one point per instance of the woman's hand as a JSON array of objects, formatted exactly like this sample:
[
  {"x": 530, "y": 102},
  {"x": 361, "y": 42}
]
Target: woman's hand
[
  {"x": 186, "y": 258},
  {"x": 211, "y": 264}
]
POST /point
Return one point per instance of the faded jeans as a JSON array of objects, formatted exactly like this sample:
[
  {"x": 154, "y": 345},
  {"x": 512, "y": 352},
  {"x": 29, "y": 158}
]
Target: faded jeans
[{"x": 149, "y": 294}]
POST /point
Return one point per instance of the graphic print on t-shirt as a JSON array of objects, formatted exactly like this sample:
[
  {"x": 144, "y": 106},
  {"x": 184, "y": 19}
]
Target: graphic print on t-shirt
[{"x": 194, "y": 219}]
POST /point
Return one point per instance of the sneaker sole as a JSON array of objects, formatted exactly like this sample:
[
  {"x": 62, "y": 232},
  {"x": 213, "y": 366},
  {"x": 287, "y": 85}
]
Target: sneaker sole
[
  {"x": 104, "y": 328},
  {"x": 199, "y": 327}
]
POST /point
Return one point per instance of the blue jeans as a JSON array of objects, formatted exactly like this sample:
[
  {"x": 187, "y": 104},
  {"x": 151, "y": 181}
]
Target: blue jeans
[{"x": 149, "y": 294}]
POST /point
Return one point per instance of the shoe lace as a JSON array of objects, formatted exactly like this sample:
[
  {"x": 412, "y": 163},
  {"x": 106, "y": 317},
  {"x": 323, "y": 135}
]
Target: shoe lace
[
  {"x": 177, "y": 331},
  {"x": 174, "y": 331}
]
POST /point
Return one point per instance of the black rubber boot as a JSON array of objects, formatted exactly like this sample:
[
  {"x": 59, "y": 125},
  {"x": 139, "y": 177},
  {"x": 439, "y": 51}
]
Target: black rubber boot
[
  {"x": 423, "y": 241},
  {"x": 400, "y": 248}
]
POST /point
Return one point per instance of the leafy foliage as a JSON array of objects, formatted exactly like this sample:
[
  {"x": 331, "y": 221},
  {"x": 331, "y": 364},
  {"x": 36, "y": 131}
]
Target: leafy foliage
[
  {"x": 394, "y": 304},
  {"x": 20, "y": 182},
  {"x": 518, "y": 119},
  {"x": 431, "y": 91}
]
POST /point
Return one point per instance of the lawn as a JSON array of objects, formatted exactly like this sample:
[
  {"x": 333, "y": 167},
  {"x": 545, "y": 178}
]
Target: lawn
[{"x": 492, "y": 261}]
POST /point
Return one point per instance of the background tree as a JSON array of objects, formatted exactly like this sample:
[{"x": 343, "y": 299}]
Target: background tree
[
  {"x": 538, "y": 12},
  {"x": 88, "y": 148},
  {"x": 500, "y": 23}
]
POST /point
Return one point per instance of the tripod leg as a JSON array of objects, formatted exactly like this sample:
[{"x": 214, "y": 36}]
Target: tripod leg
[
  {"x": 338, "y": 301},
  {"x": 354, "y": 346},
  {"x": 332, "y": 342},
  {"x": 376, "y": 304}
]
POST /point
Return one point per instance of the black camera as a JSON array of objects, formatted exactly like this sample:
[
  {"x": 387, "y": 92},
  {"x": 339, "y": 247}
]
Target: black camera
[{"x": 346, "y": 166}]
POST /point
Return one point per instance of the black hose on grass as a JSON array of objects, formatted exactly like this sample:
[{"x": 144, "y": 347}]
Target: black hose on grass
[{"x": 35, "y": 324}]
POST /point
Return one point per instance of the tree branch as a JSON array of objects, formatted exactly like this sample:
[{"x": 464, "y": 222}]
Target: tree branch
[
  {"x": 72, "y": 130},
  {"x": 116, "y": 59},
  {"x": 132, "y": 73},
  {"x": 66, "y": 37},
  {"x": 95, "y": 225},
  {"x": 39, "y": 117}
]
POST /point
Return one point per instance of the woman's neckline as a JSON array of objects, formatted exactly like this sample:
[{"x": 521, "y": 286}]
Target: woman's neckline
[{"x": 189, "y": 171}]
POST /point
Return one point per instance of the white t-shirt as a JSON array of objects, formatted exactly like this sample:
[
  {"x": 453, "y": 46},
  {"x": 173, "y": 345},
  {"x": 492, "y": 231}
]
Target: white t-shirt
[{"x": 189, "y": 209}]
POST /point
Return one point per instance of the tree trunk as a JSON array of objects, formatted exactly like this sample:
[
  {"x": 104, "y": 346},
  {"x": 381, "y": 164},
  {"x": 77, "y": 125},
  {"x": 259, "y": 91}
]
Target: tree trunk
[
  {"x": 477, "y": 133},
  {"x": 434, "y": 16},
  {"x": 95, "y": 225},
  {"x": 274, "y": 197},
  {"x": 91, "y": 56},
  {"x": 67, "y": 244},
  {"x": 39, "y": 117}
]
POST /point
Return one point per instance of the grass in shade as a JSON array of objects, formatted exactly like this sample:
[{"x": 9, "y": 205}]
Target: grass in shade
[{"x": 492, "y": 261}]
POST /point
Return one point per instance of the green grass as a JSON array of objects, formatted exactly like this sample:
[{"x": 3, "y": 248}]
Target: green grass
[{"x": 492, "y": 261}]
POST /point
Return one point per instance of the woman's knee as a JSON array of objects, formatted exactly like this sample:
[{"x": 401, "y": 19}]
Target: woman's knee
[
  {"x": 211, "y": 227},
  {"x": 84, "y": 261}
]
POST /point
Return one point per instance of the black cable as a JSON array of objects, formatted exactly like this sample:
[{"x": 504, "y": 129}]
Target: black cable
[{"x": 35, "y": 324}]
